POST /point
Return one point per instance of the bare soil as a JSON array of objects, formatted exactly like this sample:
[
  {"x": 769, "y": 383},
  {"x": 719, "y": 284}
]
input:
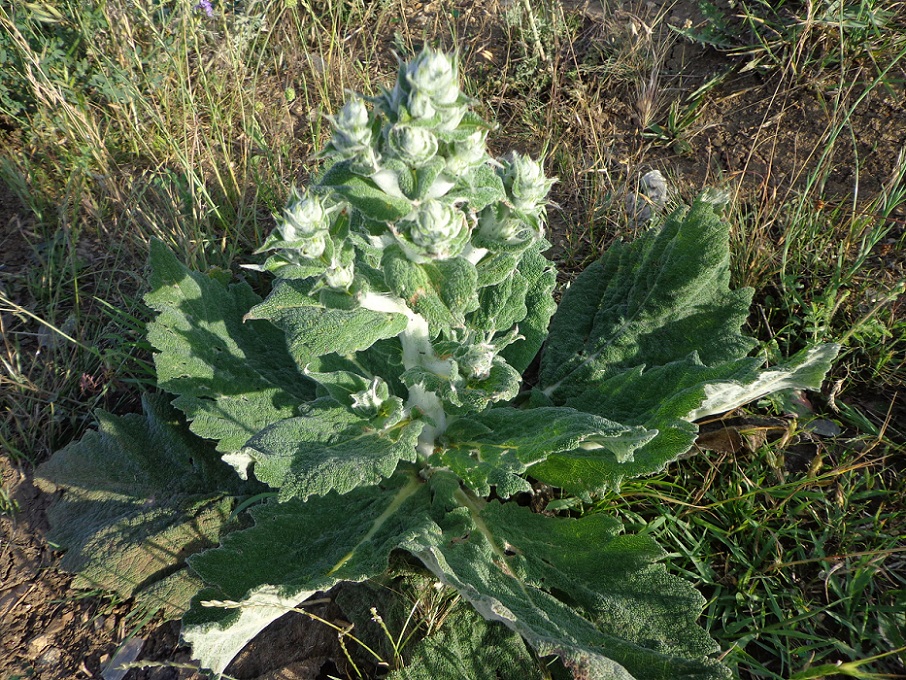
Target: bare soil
[{"x": 762, "y": 131}]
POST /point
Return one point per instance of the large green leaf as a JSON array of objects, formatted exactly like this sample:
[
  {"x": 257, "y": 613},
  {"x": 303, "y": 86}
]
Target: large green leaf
[
  {"x": 313, "y": 329},
  {"x": 455, "y": 280},
  {"x": 637, "y": 397},
  {"x": 805, "y": 370},
  {"x": 495, "y": 267},
  {"x": 294, "y": 550},
  {"x": 621, "y": 616},
  {"x": 502, "y": 305},
  {"x": 648, "y": 303},
  {"x": 207, "y": 355},
  {"x": 481, "y": 187},
  {"x": 430, "y": 632},
  {"x": 141, "y": 495},
  {"x": 329, "y": 448},
  {"x": 413, "y": 283},
  {"x": 468, "y": 646},
  {"x": 588, "y": 473},
  {"x": 494, "y": 447},
  {"x": 650, "y": 335}
]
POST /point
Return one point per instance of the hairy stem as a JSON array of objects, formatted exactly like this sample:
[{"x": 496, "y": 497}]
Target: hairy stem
[{"x": 417, "y": 351}]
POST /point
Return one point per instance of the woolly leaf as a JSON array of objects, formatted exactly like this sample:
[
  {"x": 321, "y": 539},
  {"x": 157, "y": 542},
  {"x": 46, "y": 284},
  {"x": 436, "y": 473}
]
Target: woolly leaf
[
  {"x": 339, "y": 385},
  {"x": 494, "y": 447},
  {"x": 141, "y": 495},
  {"x": 455, "y": 280},
  {"x": 622, "y": 615},
  {"x": 329, "y": 448},
  {"x": 412, "y": 282},
  {"x": 426, "y": 175},
  {"x": 502, "y": 305},
  {"x": 649, "y": 335},
  {"x": 587, "y": 473},
  {"x": 637, "y": 397},
  {"x": 468, "y": 646},
  {"x": 540, "y": 306},
  {"x": 699, "y": 391},
  {"x": 208, "y": 356},
  {"x": 293, "y": 550},
  {"x": 805, "y": 370},
  {"x": 647, "y": 303},
  {"x": 313, "y": 330},
  {"x": 482, "y": 187},
  {"x": 363, "y": 194},
  {"x": 495, "y": 267}
]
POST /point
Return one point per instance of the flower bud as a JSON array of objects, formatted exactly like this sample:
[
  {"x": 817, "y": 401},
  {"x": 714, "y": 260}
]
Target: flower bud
[
  {"x": 432, "y": 74},
  {"x": 420, "y": 106},
  {"x": 313, "y": 246},
  {"x": 450, "y": 117},
  {"x": 368, "y": 402},
  {"x": 498, "y": 224},
  {"x": 339, "y": 277},
  {"x": 414, "y": 146},
  {"x": 366, "y": 162},
  {"x": 353, "y": 115},
  {"x": 303, "y": 218},
  {"x": 351, "y": 130},
  {"x": 525, "y": 183},
  {"x": 476, "y": 360},
  {"x": 467, "y": 154},
  {"x": 436, "y": 227}
]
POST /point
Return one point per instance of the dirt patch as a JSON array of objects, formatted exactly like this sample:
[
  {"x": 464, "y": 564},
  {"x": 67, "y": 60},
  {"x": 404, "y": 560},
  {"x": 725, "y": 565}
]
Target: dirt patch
[
  {"x": 15, "y": 227},
  {"x": 767, "y": 130},
  {"x": 49, "y": 631}
]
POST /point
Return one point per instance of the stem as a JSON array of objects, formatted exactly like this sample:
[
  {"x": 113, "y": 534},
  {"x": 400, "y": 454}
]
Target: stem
[
  {"x": 534, "y": 26},
  {"x": 473, "y": 255},
  {"x": 475, "y": 506},
  {"x": 417, "y": 351},
  {"x": 431, "y": 405}
]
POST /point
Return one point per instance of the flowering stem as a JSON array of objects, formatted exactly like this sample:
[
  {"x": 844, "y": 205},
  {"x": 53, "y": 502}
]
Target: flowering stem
[
  {"x": 417, "y": 351},
  {"x": 472, "y": 254}
]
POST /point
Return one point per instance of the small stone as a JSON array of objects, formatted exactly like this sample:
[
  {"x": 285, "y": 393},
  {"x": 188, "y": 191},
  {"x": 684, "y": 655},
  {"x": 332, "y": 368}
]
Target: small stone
[
  {"x": 650, "y": 198},
  {"x": 50, "y": 657},
  {"x": 38, "y": 645}
]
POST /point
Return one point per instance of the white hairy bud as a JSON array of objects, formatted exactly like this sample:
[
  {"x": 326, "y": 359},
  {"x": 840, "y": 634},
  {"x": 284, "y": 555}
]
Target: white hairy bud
[
  {"x": 432, "y": 74},
  {"x": 351, "y": 130},
  {"x": 304, "y": 218},
  {"x": 414, "y": 146},
  {"x": 525, "y": 183},
  {"x": 439, "y": 230}
]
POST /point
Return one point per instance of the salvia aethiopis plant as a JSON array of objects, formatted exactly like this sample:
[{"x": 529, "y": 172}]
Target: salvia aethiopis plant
[{"x": 370, "y": 416}]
